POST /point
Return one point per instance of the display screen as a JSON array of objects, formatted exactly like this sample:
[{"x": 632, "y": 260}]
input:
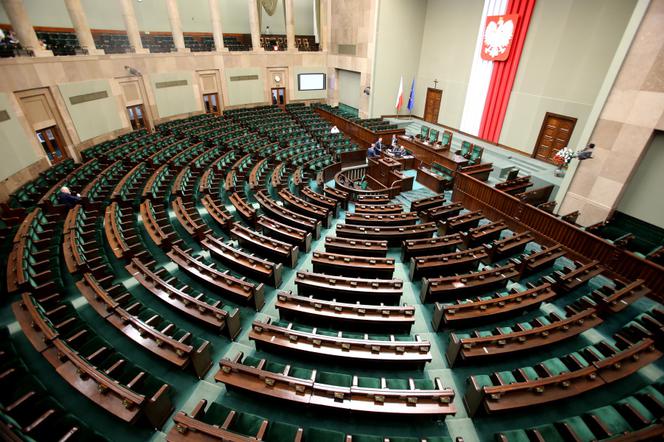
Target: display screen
[{"x": 311, "y": 82}]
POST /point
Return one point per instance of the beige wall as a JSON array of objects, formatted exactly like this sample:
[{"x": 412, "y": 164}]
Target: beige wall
[
  {"x": 175, "y": 100},
  {"x": 569, "y": 47},
  {"x": 450, "y": 33},
  {"x": 92, "y": 118},
  {"x": 352, "y": 33},
  {"x": 307, "y": 95},
  {"x": 242, "y": 92},
  {"x": 18, "y": 151},
  {"x": 640, "y": 192},
  {"x": 303, "y": 13},
  {"x": 400, "y": 26},
  {"x": 349, "y": 87},
  {"x": 633, "y": 110}
]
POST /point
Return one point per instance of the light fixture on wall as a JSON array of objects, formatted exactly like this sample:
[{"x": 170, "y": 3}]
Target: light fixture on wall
[
  {"x": 133, "y": 71},
  {"x": 367, "y": 90}
]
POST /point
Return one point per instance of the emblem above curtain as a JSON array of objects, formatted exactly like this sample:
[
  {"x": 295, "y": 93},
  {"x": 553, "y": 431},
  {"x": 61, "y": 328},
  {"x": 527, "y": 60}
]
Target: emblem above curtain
[{"x": 269, "y": 5}]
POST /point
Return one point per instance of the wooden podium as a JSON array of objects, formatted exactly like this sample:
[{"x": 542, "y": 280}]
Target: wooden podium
[{"x": 385, "y": 172}]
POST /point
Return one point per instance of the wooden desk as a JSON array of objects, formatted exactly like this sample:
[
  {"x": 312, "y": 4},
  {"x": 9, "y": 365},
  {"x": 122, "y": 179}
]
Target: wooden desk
[
  {"x": 407, "y": 161},
  {"x": 428, "y": 154},
  {"x": 359, "y": 134}
]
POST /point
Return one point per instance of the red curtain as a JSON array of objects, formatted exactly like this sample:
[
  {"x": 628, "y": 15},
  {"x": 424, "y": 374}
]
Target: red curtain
[{"x": 504, "y": 72}]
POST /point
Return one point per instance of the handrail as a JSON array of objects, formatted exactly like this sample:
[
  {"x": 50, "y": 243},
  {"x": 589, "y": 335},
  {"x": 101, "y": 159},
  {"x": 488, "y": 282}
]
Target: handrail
[{"x": 551, "y": 230}]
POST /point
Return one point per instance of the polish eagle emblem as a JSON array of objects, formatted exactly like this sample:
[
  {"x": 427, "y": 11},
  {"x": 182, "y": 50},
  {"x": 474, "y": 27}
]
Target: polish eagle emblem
[
  {"x": 270, "y": 6},
  {"x": 498, "y": 35}
]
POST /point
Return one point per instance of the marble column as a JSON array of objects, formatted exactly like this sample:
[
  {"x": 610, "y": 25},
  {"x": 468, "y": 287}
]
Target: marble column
[
  {"x": 80, "y": 22},
  {"x": 254, "y": 24},
  {"x": 631, "y": 115},
  {"x": 324, "y": 32},
  {"x": 176, "y": 25},
  {"x": 129, "y": 16},
  {"x": 18, "y": 17},
  {"x": 217, "y": 32},
  {"x": 290, "y": 25}
]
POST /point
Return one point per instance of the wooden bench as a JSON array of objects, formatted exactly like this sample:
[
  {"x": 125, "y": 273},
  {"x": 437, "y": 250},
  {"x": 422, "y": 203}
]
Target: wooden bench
[
  {"x": 483, "y": 234},
  {"x": 441, "y": 213},
  {"x": 265, "y": 246},
  {"x": 478, "y": 171},
  {"x": 422, "y": 204},
  {"x": 350, "y": 246},
  {"x": 128, "y": 400},
  {"x": 392, "y": 234},
  {"x": 509, "y": 246},
  {"x": 362, "y": 317},
  {"x": 349, "y": 265},
  {"x": 188, "y": 216},
  {"x": 321, "y": 200},
  {"x": 400, "y": 219},
  {"x": 365, "y": 290},
  {"x": 283, "y": 338},
  {"x": 155, "y": 221},
  {"x": 614, "y": 300},
  {"x": 215, "y": 208},
  {"x": 123, "y": 240},
  {"x": 430, "y": 246},
  {"x": 197, "y": 306},
  {"x": 447, "y": 263},
  {"x": 378, "y": 209},
  {"x": 536, "y": 261},
  {"x": 531, "y": 335},
  {"x": 487, "y": 309},
  {"x": 568, "y": 279},
  {"x": 423, "y": 398},
  {"x": 460, "y": 223},
  {"x": 373, "y": 199},
  {"x": 117, "y": 306},
  {"x": 291, "y": 235},
  {"x": 447, "y": 287},
  {"x": 244, "y": 209},
  {"x": 311, "y": 210},
  {"x": 287, "y": 216},
  {"x": 337, "y": 194},
  {"x": 232, "y": 286},
  {"x": 246, "y": 263},
  {"x": 517, "y": 185},
  {"x": 537, "y": 196},
  {"x": 592, "y": 367}
]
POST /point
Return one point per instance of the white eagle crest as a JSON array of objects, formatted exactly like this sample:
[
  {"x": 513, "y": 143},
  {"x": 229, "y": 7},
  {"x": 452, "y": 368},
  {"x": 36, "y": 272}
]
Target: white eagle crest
[{"x": 497, "y": 37}]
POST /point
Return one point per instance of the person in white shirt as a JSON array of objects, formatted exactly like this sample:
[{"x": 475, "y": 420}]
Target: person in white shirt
[{"x": 334, "y": 130}]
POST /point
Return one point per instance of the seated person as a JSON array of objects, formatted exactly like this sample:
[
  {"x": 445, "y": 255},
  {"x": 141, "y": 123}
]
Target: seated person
[
  {"x": 373, "y": 151},
  {"x": 334, "y": 130},
  {"x": 66, "y": 198},
  {"x": 399, "y": 151}
]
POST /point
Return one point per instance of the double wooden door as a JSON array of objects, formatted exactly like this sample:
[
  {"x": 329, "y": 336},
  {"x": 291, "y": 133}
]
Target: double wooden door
[
  {"x": 52, "y": 143},
  {"x": 555, "y": 134},
  {"x": 432, "y": 105}
]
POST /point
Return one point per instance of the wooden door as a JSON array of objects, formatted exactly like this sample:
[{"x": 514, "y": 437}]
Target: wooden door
[
  {"x": 211, "y": 102},
  {"x": 136, "y": 116},
  {"x": 554, "y": 135},
  {"x": 432, "y": 105},
  {"x": 279, "y": 96},
  {"x": 51, "y": 141}
]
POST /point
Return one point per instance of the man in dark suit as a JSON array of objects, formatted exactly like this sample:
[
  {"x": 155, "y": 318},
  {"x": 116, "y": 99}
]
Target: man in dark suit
[
  {"x": 379, "y": 144},
  {"x": 66, "y": 198}
]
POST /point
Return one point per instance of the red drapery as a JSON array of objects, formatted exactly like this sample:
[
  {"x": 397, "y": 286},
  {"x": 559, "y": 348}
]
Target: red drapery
[{"x": 504, "y": 72}]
